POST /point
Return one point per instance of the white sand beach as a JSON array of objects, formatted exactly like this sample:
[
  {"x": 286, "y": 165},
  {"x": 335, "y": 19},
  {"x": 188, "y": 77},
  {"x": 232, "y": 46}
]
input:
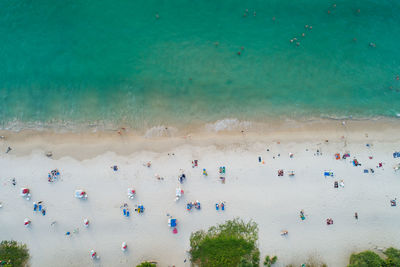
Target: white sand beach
[{"x": 252, "y": 190}]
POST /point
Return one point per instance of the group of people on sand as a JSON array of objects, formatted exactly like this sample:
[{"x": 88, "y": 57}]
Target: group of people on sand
[
  {"x": 53, "y": 175},
  {"x": 39, "y": 207}
]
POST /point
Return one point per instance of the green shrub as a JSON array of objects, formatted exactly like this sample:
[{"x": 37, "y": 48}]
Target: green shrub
[
  {"x": 13, "y": 254},
  {"x": 366, "y": 259},
  {"x": 269, "y": 261},
  {"x": 392, "y": 257},
  {"x": 230, "y": 244},
  {"x": 146, "y": 264}
]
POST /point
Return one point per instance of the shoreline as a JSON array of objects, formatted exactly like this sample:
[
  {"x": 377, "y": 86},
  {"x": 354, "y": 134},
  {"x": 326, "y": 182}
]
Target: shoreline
[{"x": 85, "y": 145}]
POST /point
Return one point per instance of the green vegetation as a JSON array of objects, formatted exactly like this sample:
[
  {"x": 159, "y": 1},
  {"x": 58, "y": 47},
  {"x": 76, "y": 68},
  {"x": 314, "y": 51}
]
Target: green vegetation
[
  {"x": 146, "y": 264},
  {"x": 366, "y": 259},
  {"x": 230, "y": 244},
  {"x": 269, "y": 261},
  {"x": 392, "y": 257},
  {"x": 13, "y": 254}
]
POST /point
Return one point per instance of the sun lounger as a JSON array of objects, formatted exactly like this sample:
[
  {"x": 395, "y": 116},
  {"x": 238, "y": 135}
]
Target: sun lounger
[
  {"x": 141, "y": 208},
  {"x": 328, "y": 173},
  {"x": 393, "y": 203},
  {"x": 336, "y": 184},
  {"x": 222, "y": 206},
  {"x": 217, "y": 206},
  {"x": 396, "y": 155},
  {"x": 172, "y": 222}
]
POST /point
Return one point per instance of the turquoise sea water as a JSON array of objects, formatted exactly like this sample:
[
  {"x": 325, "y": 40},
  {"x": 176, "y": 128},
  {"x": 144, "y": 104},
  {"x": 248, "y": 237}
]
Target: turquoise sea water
[{"x": 115, "y": 61}]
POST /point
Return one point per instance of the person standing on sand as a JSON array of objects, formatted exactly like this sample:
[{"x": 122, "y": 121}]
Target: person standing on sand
[{"x": 356, "y": 215}]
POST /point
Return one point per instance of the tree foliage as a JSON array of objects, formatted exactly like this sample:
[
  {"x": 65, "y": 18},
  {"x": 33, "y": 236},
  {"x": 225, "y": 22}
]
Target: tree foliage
[
  {"x": 392, "y": 257},
  {"x": 269, "y": 261},
  {"x": 13, "y": 254},
  {"x": 366, "y": 259},
  {"x": 230, "y": 244},
  {"x": 146, "y": 264}
]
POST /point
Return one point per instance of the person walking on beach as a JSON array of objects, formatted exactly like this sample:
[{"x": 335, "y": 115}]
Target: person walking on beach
[{"x": 356, "y": 215}]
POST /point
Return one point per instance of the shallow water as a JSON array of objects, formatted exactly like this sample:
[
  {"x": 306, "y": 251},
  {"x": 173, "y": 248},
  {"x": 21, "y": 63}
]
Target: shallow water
[{"x": 107, "y": 62}]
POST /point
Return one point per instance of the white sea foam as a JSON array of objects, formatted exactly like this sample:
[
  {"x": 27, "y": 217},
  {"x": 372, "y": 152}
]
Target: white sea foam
[
  {"x": 160, "y": 131},
  {"x": 229, "y": 124}
]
